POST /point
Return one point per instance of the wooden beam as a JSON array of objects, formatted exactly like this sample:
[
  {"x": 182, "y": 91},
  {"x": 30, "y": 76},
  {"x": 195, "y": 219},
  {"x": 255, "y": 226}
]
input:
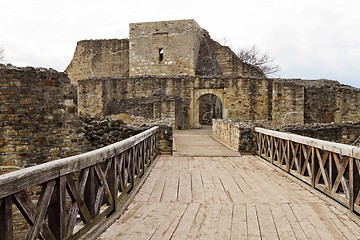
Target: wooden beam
[
  {"x": 28, "y": 210},
  {"x": 57, "y": 210},
  {"x": 42, "y": 207},
  {"x": 6, "y": 219}
]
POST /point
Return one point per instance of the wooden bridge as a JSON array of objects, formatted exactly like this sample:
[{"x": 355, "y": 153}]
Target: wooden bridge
[{"x": 294, "y": 188}]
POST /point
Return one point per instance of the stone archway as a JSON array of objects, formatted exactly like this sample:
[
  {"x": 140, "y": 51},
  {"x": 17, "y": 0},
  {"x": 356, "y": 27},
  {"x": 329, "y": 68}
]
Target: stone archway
[
  {"x": 218, "y": 98},
  {"x": 210, "y": 106}
]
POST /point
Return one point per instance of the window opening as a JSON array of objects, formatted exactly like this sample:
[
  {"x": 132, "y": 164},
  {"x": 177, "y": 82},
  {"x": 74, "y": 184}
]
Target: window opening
[{"x": 161, "y": 54}]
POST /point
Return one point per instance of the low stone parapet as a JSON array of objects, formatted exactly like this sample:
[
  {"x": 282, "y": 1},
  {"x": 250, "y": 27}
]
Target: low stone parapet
[
  {"x": 235, "y": 135},
  {"x": 106, "y": 130}
]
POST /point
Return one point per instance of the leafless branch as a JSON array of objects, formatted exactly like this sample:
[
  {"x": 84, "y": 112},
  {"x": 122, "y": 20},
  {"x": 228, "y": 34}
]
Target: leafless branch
[{"x": 262, "y": 61}]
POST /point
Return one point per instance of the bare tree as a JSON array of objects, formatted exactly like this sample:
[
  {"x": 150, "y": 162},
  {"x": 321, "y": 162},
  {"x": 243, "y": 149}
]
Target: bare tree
[{"x": 262, "y": 61}]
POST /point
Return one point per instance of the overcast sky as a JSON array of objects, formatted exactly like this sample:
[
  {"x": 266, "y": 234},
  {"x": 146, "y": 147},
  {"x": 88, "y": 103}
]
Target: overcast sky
[{"x": 310, "y": 39}]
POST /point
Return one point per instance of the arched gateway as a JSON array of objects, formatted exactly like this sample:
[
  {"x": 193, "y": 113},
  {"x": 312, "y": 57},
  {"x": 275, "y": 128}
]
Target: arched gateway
[{"x": 207, "y": 104}]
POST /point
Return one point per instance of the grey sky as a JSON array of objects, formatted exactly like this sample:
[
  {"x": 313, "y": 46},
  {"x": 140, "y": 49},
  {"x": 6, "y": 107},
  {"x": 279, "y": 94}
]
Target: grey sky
[{"x": 310, "y": 39}]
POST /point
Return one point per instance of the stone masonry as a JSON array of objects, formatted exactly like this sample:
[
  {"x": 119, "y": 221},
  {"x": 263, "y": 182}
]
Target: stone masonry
[
  {"x": 38, "y": 117},
  {"x": 39, "y": 121},
  {"x": 167, "y": 48},
  {"x": 169, "y": 66},
  {"x": 99, "y": 58},
  {"x": 274, "y": 102}
]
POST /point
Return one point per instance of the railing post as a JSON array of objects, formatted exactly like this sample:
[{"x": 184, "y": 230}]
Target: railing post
[
  {"x": 6, "y": 219},
  {"x": 257, "y": 143},
  {"x": 57, "y": 208},
  {"x": 112, "y": 180},
  {"x": 288, "y": 156},
  {"x": 351, "y": 183},
  {"x": 271, "y": 147},
  {"x": 313, "y": 167},
  {"x": 130, "y": 168}
]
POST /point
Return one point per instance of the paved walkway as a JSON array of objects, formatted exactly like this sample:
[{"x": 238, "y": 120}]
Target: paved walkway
[{"x": 200, "y": 194}]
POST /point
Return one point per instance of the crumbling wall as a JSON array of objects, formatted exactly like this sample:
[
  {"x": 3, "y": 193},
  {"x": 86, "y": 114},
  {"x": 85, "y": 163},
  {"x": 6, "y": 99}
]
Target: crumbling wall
[
  {"x": 347, "y": 104},
  {"x": 90, "y": 96},
  {"x": 165, "y": 97},
  {"x": 148, "y": 97},
  {"x": 207, "y": 64},
  {"x": 320, "y": 98},
  {"x": 236, "y": 135},
  {"x": 226, "y": 133},
  {"x": 38, "y": 117},
  {"x": 273, "y": 102},
  {"x": 105, "y": 130},
  {"x": 346, "y": 133},
  {"x": 229, "y": 63},
  {"x": 165, "y": 48},
  {"x": 39, "y": 121},
  {"x": 287, "y": 103},
  {"x": 249, "y": 99},
  {"x": 99, "y": 58}
]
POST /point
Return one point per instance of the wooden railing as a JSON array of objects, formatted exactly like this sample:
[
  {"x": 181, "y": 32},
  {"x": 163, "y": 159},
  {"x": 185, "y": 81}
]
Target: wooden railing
[
  {"x": 75, "y": 193},
  {"x": 330, "y": 167}
]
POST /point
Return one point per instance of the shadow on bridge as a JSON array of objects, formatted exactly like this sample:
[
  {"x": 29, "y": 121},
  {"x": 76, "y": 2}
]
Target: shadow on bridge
[{"x": 206, "y": 191}]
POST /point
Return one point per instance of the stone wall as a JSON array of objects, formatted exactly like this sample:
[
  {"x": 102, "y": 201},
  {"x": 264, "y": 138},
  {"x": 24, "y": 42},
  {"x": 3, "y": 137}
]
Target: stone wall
[
  {"x": 145, "y": 97},
  {"x": 347, "y": 104},
  {"x": 39, "y": 121},
  {"x": 287, "y": 103},
  {"x": 273, "y": 102},
  {"x": 228, "y": 61},
  {"x": 227, "y": 133},
  {"x": 38, "y": 117},
  {"x": 249, "y": 99},
  {"x": 174, "y": 98},
  {"x": 320, "y": 98},
  {"x": 346, "y": 133},
  {"x": 236, "y": 135},
  {"x": 215, "y": 59},
  {"x": 99, "y": 58},
  {"x": 166, "y": 48},
  {"x": 165, "y": 67},
  {"x": 106, "y": 130}
]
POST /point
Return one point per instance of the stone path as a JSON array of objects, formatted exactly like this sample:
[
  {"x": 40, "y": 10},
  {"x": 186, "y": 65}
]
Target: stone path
[{"x": 206, "y": 191}]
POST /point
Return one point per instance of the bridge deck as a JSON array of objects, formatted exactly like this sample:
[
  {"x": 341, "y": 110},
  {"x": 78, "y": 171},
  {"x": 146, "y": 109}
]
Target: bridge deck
[{"x": 189, "y": 196}]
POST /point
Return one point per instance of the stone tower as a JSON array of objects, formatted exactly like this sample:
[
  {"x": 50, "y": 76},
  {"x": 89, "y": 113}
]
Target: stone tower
[{"x": 162, "y": 48}]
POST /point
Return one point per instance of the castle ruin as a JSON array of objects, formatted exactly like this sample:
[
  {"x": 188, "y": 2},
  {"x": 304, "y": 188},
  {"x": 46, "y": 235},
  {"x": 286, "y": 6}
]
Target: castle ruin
[{"x": 169, "y": 70}]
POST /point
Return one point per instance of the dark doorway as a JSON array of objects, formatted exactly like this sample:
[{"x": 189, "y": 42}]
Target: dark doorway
[{"x": 210, "y": 107}]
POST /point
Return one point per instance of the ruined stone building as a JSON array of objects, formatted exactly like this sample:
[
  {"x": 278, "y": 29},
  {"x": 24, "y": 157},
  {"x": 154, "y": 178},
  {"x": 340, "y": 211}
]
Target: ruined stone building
[
  {"x": 169, "y": 70},
  {"x": 173, "y": 69}
]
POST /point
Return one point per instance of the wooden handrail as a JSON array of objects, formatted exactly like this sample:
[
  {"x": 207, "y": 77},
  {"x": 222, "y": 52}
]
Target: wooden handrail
[
  {"x": 332, "y": 168},
  {"x": 343, "y": 149},
  {"x": 90, "y": 185}
]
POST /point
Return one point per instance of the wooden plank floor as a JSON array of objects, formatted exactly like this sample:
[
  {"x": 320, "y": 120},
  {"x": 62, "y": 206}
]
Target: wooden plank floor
[{"x": 237, "y": 197}]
